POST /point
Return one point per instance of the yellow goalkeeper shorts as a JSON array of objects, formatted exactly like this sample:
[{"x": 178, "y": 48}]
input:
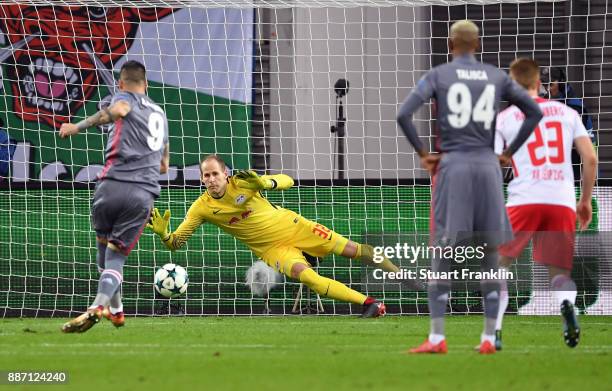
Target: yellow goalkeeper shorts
[
  {"x": 309, "y": 237},
  {"x": 282, "y": 258}
]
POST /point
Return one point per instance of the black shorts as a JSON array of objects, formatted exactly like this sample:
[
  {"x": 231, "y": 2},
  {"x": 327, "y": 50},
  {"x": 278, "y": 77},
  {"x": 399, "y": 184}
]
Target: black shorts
[{"x": 119, "y": 212}]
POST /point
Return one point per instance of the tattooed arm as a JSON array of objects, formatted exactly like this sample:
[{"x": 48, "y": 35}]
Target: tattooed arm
[
  {"x": 165, "y": 162},
  {"x": 110, "y": 114}
]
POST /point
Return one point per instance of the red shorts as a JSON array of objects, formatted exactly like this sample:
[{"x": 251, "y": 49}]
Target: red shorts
[{"x": 553, "y": 229}]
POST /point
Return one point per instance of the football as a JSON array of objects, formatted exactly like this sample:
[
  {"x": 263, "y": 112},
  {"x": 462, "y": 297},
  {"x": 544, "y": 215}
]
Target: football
[{"x": 171, "y": 280}]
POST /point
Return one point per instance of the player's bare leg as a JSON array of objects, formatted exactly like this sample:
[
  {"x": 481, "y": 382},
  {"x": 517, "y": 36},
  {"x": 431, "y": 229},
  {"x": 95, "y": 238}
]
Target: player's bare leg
[
  {"x": 336, "y": 290},
  {"x": 564, "y": 290}
]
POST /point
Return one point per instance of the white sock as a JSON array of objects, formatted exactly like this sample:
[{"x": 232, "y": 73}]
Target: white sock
[
  {"x": 563, "y": 288},
  {"x": 503, "y": 303},
  {"x": 561, "y": 296},
  {"x": 436, "y": 338},
  {"x": 486, "y": 337},
  {"x": 114, "y": 310}
]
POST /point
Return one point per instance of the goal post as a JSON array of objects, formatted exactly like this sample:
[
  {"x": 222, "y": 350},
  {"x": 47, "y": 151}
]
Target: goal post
[{"x": 257, "y": 83}]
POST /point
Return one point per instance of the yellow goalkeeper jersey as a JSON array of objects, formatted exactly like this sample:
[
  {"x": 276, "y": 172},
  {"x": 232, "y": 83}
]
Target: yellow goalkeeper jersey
[{"x": 243, "y": 213}]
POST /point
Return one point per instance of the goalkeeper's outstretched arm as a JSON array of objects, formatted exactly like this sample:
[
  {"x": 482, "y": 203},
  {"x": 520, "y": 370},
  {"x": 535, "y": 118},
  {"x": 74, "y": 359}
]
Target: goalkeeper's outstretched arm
[
  {"x": 278, "y": 182},
  {"x": 250, "y": 180},
  {"x": 177, "y": 239}
]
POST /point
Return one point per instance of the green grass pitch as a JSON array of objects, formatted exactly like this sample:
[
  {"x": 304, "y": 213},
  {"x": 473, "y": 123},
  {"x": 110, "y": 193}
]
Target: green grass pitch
[{"x": 309, "y": 352}]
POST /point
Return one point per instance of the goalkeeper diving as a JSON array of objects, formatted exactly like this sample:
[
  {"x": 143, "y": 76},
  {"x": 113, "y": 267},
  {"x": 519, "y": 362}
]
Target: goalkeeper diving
[{"x": 278, "y": 236}]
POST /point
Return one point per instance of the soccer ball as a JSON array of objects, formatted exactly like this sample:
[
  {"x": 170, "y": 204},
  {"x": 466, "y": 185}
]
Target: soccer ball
[{"x": 171, "y": 280}]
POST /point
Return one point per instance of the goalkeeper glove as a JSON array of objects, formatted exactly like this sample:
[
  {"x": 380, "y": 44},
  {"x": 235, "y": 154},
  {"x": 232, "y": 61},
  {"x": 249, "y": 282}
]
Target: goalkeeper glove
[
  {"x": 159, "y": 224},
  {"x": 250, "y": 180}
]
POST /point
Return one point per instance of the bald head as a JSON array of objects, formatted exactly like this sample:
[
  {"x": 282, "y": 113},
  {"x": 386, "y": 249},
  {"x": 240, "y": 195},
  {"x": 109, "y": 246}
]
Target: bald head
[{"x": 463, "y": 37}]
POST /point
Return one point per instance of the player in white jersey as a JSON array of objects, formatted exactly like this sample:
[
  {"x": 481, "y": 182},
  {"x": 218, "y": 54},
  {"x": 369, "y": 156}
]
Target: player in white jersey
[{"x": 541, "y": 197}]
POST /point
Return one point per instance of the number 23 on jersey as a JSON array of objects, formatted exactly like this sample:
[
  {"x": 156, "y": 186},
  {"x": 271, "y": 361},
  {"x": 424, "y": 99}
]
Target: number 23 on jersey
[{"x": 541, "y": 151}]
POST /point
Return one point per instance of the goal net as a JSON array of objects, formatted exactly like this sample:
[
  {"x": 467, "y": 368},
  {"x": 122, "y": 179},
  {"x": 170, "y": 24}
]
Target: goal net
[{"x": 260, "y": 83}]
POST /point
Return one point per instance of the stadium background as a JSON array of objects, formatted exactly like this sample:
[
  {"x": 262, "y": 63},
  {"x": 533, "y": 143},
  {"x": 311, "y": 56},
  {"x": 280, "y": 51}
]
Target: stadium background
[{"x": 47, "y": 247}]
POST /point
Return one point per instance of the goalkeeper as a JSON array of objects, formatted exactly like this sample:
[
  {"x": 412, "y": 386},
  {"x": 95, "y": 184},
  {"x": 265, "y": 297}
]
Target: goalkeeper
[{"x": 276, "y": 235}]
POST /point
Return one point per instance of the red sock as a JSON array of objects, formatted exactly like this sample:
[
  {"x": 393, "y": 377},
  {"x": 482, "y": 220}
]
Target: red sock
[{"x": 369, "y": 300}]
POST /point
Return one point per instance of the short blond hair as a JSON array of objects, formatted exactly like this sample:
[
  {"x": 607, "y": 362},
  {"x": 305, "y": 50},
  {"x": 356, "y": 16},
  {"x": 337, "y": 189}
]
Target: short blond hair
[{"x": 464, "y": 34}]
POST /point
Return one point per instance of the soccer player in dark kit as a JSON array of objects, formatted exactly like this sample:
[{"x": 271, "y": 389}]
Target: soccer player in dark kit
[
  {"x": 136, "y": 153},
  {"x": 467, "y": 180}
]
